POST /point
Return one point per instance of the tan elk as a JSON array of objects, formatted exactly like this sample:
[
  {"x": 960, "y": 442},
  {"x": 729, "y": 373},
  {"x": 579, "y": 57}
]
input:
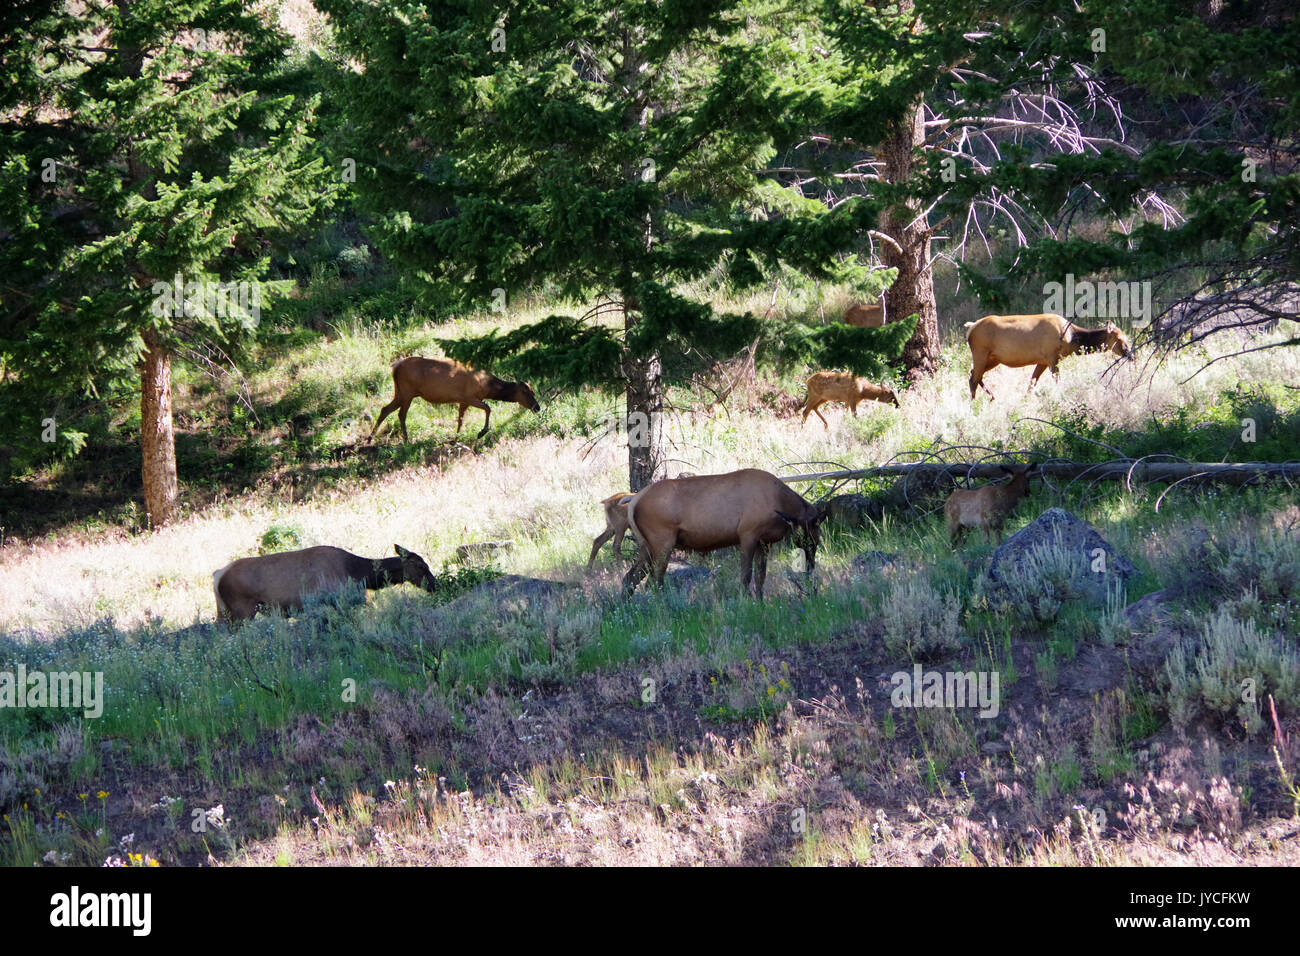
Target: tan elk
[
  {"x": 445, "y": 382},
  {"x": 1039, "y": 340},
  {"x": 615, "y": 525},
  {"x": 286, "y": 579},
  {"x": 750, "y": 510},
  {"x": 986, "y": 507},
  {"x": 843, "y": 387},
  {"x": 865, "y": 316}
]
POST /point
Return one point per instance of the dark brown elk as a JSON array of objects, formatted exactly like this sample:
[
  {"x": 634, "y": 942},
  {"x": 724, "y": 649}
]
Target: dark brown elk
[
  {"x": 286, "y": 579},
  {"x": 986, "y": 507},
  {"x": 843, "y": 387},
  {"x": 750, "y": 510},
  {"x": 1039, "y": 340},
  {"x": 445, "y": 382},
  {"x": 615, "y": 525}
]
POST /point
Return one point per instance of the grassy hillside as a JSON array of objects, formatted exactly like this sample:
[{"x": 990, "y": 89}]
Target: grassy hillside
[{"x": 506, "y": 726}]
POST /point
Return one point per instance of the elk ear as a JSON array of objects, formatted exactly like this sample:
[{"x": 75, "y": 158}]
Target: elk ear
[{"x": 401, "y": 552}]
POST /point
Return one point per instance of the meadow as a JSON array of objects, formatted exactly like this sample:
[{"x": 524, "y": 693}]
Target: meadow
[{"x": 555, "y": 720}]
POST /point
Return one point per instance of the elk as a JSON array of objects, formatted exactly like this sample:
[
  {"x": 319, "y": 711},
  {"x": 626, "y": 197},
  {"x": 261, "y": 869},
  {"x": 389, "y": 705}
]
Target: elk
[
  {"x": 444, "y": 382},
  {"x": 748, "y": 509},
  {"x": 1039, "y": 340},
  {"x": 286, "y": 579},
  {"x": 865, "y": 316},
  {"x": 615, "y": 525},
  {"x": 986, "y": 507},
  {"x": 842, "y": 387}
]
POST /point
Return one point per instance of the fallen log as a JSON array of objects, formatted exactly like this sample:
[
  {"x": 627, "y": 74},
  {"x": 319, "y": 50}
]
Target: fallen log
[{"x": 1141, "y": 470}]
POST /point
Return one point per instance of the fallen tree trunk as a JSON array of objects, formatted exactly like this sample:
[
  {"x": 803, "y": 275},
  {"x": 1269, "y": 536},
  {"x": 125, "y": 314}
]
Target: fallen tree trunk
[{"x": 1130, "y": 471}]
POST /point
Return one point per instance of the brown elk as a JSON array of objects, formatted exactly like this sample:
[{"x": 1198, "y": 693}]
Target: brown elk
[
  {"x": 986, "y": 507},
  {"x": 1039, "y": 340},
  {"x": 865, "y": 316},
  {"x": 843, "y": 387},
  {"x": 615, "y": 525},
  {"x": 286, "y": 579},
  {"x": 748, "y": 509},
  {"x": 445, "y": 382}
]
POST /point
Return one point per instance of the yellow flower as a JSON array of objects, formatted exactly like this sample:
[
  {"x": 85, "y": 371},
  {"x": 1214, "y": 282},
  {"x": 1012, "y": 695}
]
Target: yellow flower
[{"x": 103, "y": 794}]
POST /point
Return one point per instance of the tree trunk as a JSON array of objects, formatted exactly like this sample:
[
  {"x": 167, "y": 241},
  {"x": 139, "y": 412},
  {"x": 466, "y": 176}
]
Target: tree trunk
[
  {"x": 913, "y": 290},
  {"x": 645, "y": 400},
  {"x": 157, "y": 440}
]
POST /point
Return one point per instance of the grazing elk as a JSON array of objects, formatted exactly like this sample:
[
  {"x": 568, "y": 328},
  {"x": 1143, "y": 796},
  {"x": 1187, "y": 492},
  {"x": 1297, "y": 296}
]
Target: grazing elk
[
  {"x": 615, "y": 525},
  {"x": 284, "y": 580},
  {"x": 986, "y": 507},
  {"x": 1039, "y": 340},
  {"x": 865, "y": 316},
  {"x": 843, "y": 387},
  {"x": 748, "y": 509},
  {"x": 444, "y": 382}
]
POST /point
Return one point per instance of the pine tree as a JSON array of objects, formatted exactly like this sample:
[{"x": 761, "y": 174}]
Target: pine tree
[
  {"x": 932, "y": 94},
  {"x": 596, "y": 149},
  {"x": 148, "y": 161},
  {"x": 1213, "y": 97}
]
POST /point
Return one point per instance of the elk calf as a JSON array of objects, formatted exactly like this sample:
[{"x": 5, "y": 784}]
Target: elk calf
[
  {"x": 986, "y": 507},
  {"x": 1038, "y": 340},
  {"x": 749, "y": 509},
  {"x": 286, "y": 579},
  {"x": 865, "y": 316},
  {"x": 615, "y": 525},
  {"x": 444, "y": 382},
  {"x": 826, "y": 387}
]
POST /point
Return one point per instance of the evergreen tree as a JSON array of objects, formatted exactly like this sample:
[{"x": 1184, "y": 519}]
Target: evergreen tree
[
  {"x": 615, "y": 150},
  {"x": 146, "y": 167},
  {"x": 1213, "y": 94}
]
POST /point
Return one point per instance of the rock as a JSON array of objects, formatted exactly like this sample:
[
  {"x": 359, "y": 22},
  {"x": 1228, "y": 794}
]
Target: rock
[
  {"x": 1058, "y": 525},
  {"x": 852, "y": 511},
  {"x": 688, "y": 577},
  {"x": 919, "y": 492},
  {"x": 1149, "y": 610},
  {"x": 1156, "y": 631},
  {"x": 480, "y": 549},
  {"x": 508, "y": 592},
  {"x": 872, "y": 561}
]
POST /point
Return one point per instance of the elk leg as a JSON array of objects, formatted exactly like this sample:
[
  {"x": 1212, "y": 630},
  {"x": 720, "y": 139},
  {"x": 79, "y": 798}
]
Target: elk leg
[
  {"x": 634, "y": 574},
  {"x": 979, "y": 365},
  {"x": 487, "y": 417},
  {"x": 595, "y": 545},
  {"x": 384, "y": 413},
  {"x": 747, "y": 549},
  {"x": 460, "y": 418},
  {"x": 818, "y": 413},
  {"x": 1033, "y": 379},
  {"x": 618, "y": 543},
  {"x": 401, "y": 417},
  {"x": 761, "y": 576}
]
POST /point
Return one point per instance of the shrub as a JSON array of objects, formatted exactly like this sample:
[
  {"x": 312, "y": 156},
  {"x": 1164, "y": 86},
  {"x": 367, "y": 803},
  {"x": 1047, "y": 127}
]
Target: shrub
[
  {"x": 280, "y": 537},
  {"x": 1209, "y": 677},
  {"x": 921, "y": 621},
  {"x": 1036, "y": 588}
]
